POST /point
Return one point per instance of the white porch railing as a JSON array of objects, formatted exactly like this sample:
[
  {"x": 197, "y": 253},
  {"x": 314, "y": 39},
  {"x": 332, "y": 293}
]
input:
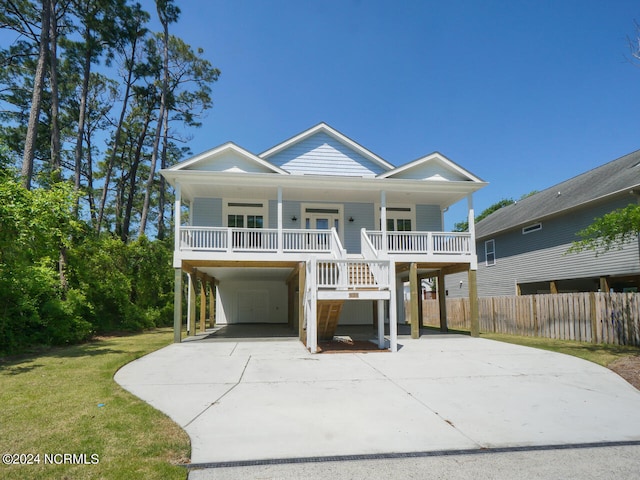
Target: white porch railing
[
  {"x": 351, "y": 274},
  {"x": 450, "y": 243},
  {"x": 222, "y": 239}
]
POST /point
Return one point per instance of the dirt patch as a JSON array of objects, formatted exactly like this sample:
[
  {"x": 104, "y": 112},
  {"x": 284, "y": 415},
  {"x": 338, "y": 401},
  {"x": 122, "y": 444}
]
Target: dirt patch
[
  {"x": 348, "y": 345},
  {"x": 629, "y": 369}
]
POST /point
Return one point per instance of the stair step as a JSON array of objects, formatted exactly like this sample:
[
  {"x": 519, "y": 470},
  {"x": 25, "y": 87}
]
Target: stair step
[{"x": 328, "y": 314}]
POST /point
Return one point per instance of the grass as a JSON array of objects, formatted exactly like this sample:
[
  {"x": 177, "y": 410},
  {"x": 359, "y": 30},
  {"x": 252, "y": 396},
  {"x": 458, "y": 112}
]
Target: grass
[{"x": 66, "y": 401}]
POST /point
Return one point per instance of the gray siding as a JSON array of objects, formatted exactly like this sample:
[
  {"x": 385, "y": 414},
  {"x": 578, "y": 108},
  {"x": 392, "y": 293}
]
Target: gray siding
[
  {"x": 541, "y": 256},
  {"x": 206, "y": 212},
  {"x": 428, "y": 218},
  {"x": 321, "y": 154}
]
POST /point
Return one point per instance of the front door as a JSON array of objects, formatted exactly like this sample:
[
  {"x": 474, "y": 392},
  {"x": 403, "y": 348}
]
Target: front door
[
  {"x": 322, "y": 222},
  {"x": 321, "y": 219}
]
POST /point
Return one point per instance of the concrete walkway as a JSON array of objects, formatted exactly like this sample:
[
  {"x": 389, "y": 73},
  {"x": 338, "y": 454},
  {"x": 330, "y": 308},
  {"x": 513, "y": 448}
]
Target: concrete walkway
[{"x": 254, "y": 399}]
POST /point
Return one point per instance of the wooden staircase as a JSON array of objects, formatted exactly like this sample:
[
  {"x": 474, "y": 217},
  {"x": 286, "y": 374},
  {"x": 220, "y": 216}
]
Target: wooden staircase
[
  {"x": 328, "y": 315},
  {"x": 360, "y": 274}
]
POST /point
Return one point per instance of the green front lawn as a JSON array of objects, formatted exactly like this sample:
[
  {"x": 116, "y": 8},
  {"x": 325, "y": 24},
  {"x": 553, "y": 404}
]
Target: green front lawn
[{"x": 65, "y": 401}]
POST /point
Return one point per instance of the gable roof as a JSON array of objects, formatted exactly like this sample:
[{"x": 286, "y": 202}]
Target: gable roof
[
  {"x": 227, "y": 157},
  {"x": 618, "y": 176},
  {"x": 326, "y": 129},
  {"x": 434, "y": 166}
]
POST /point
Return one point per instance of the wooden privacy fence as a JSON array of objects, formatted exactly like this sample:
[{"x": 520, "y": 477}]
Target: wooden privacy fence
[{"x": 587, "y": 317}]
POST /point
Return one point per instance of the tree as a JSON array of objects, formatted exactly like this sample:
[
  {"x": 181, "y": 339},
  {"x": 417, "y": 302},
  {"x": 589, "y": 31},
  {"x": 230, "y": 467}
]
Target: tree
[
  {"x": 101, "y": 30},
  {"x": 167, "y": 13},
  {"x": 612, "y": 230},
  {"x": 62, "y": 278},
  {"x": 464, "y": 226},
  {"x": 135, "y": 30},
  {"x": 36, "y": 98}
]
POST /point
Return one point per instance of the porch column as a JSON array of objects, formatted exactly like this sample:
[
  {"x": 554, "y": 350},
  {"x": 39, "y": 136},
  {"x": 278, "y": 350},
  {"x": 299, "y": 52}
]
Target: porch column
[
  {"x": 280, "y": 247},
  {"x": 442, "y": 301},
  {"x": 203, "y": 303},
  {"x": 191, "y": 305},
  {"x": 393, "y": 314},
  {"x": 312, "y": 317},
  {"x": 473, "y": 304},
  {"x": 212, "y": 302},
  {"x": 302, "y": 273},
  {"x": 177, "y": 306},
  {"x": 383, "y": 219},
  {"x": 472, "y": 232},
  {"x": 380, "y": 308},
  {"x": 413, "y": 300},
  {"x": 177, "y": 206},
  {"x": 473, "y": 273}
]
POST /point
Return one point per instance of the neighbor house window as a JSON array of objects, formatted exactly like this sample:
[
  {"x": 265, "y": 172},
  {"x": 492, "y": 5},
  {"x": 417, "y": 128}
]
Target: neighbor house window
[
  {"x": 490, "y": 252},
  {"x": 532, "y": 228}
]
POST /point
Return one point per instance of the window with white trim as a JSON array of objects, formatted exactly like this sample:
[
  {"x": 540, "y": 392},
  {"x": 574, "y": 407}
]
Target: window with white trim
[
  {"x": 490, "y": 252},
  {"x": 400, "y": 218},
  {"x": 245, "y": 215}
]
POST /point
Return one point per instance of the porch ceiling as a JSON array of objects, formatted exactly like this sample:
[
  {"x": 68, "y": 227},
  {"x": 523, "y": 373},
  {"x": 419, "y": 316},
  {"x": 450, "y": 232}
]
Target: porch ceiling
[
  {"x": 247, "y": 273},
  {"x": 322, "y": 188}
]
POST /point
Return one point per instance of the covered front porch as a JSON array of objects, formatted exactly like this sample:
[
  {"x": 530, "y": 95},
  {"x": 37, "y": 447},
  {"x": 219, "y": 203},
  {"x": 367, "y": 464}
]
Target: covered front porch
[{"x": 296, "y": 217}]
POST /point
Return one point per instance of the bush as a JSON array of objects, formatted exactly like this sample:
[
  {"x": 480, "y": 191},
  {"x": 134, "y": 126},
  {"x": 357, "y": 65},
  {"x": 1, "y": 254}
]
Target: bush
[
  {"x": 108, "y": 285},
  {"x": 127, "y": 285}
]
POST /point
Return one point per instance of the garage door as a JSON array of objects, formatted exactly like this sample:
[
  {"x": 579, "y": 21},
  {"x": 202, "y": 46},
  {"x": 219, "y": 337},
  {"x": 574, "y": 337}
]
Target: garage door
[{"x": 253, "y": 306}]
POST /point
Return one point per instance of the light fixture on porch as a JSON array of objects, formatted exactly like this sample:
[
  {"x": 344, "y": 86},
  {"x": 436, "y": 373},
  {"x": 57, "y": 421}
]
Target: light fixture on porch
[
  {"x": 294, "y": 219},
  {"x": 351, "y": 219}
]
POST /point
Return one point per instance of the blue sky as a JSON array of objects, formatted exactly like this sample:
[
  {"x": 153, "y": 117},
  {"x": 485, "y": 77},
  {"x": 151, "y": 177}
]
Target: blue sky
[{"x": 524, "y": 94}]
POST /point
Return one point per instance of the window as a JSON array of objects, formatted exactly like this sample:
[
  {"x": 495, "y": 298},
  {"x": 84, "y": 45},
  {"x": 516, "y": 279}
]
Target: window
[
  {"x": 399, "y": 218},
  {"x": 490, "y": 252},
  {"x": 246, "y": 215},
  {"x": 398, "y": 224},
  {"x": 238, "y": 221},
  {"x": 255, "y": 221},
  {"x": 532, "y": 228},
  {"x": 235, "y": 221}
]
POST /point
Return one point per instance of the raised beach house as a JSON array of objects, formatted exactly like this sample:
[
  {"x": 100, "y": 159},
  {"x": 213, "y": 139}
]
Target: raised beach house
[{"x": 316, "y": 231}]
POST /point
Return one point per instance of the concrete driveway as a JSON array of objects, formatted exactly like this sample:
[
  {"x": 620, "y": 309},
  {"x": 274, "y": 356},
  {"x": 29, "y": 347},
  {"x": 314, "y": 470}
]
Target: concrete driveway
[{"x": 253, "y": 399}]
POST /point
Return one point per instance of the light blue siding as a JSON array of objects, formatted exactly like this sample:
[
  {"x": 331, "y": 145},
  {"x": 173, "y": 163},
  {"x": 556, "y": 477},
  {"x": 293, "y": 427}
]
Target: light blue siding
[
  {"x": 363, "y": 215},
  {"x": 290, "y": 209},
  {"x": 428, "y": 218},
  {"x": 206, "y": 212},
  {"x": 229, "y": 161},
  {"x": 321, "y": 154}
]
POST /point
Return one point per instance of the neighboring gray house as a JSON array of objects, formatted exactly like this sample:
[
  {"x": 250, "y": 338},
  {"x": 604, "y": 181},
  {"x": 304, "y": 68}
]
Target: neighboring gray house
[{"x": 522, "y": 248}]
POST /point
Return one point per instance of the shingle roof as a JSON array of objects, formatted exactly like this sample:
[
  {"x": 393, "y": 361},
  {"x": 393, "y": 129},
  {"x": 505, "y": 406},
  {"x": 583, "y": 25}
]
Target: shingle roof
[{"x": 613, "y": 177}]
